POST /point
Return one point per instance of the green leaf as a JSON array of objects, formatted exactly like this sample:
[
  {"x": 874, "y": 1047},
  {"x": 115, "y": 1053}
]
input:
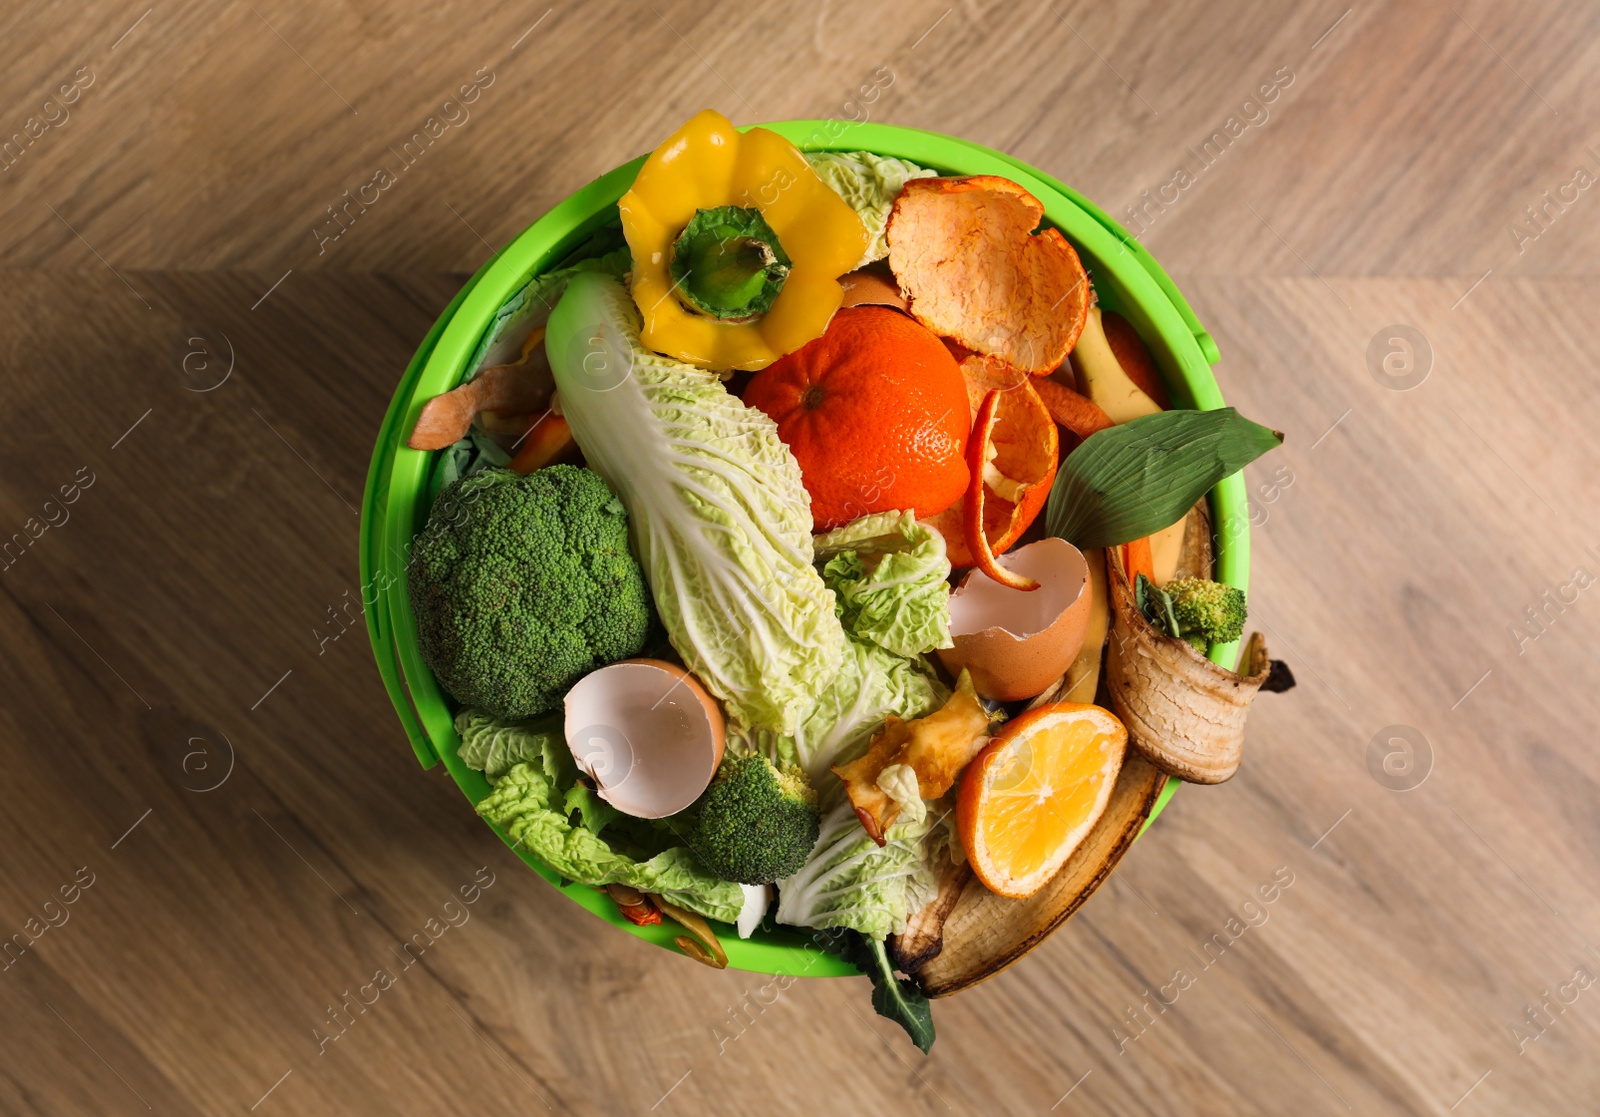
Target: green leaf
[
  {"x": 451, "y": 464},
  {"x": 1156, "y": 605},
  {"x": 492, "y": 746},
  {"x": 1132, "y": 480},
  {"x": 892, "y": 998}
]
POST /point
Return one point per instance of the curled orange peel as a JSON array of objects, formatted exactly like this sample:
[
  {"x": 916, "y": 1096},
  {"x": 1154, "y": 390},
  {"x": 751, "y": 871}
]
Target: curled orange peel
[
  {"x": 977, "y": 539},
  {"x": 1020, "y": 460}
]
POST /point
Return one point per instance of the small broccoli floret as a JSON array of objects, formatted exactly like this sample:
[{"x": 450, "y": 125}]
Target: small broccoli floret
[
  {"x": 523, "y": 584},
  {"x": 1193, "y": 609},
  {"x": 1209, "y": 609},
  {"x": 757, "y": 821}
]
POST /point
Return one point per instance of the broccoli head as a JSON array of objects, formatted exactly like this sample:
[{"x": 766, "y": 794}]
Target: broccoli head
[
  {"x": 1209, "y": 608},
  {"x": 523, "y": 584},
  {"x": 1193, "y": 609},
  {"x": 757, "y": 821}
]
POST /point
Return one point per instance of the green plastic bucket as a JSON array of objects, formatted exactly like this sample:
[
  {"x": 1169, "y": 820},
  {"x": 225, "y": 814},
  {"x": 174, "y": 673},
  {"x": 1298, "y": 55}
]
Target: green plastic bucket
[{"x": 394, "y": 506}]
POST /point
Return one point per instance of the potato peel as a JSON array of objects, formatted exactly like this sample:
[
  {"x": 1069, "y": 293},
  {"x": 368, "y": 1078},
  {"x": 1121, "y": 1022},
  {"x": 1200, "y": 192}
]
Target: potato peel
[{"x": 964, "y": 252}]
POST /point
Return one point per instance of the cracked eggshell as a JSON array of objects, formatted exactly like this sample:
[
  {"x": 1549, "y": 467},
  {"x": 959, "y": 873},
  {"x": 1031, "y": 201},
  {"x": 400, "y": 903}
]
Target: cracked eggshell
[
  {"x": 1017, "y": 642},
  {"x": 647, "y": 733}
]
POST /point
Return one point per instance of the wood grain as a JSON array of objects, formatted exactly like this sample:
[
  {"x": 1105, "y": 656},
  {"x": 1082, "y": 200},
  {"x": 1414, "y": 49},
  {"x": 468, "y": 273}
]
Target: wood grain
[{"x": 191, "y": 716}]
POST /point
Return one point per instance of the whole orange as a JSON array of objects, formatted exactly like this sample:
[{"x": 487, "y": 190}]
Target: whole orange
[{"x": 875, "y": 411}]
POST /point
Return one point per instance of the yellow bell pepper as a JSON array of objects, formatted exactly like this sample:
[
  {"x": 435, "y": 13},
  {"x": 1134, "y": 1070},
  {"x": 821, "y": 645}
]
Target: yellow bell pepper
[{"x": 707, "y": 164}]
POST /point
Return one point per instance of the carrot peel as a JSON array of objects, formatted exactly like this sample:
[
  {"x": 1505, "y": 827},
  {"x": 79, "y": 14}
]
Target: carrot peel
[
  {"x": 1078, "y": 413},
  {"x": 1139, "y": 559}
]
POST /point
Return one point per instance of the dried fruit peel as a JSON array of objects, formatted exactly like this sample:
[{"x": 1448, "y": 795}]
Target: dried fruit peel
[
  {"x": 936, "y": 747},
  {"x": 1025, "y": 439},
  {"x": 514, "y": 389},
  {"x": 965, "y": 253},
  {"x": 973, "y": 528},
  {"x": 1078, "y": 413}
]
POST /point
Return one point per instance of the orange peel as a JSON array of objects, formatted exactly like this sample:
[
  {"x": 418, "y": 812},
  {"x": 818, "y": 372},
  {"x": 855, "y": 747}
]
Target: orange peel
[
  {"x": 964, "y": 252},
  {"x": 547, "y": 440},
  {"x": 1078, "y": 413},
  {"x": 973, "y": 528},
  {"x": 1017, "y": 468},
  {"x": 1134, "y": 356}
]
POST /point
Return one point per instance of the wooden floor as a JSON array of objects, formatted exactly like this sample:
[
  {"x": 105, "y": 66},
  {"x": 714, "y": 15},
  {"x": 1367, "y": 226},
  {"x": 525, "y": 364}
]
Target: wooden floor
[{"x": 195, "y": 755}]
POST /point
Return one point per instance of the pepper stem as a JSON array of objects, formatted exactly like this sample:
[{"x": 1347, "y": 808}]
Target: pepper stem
[{"x": 728, "y": 263}]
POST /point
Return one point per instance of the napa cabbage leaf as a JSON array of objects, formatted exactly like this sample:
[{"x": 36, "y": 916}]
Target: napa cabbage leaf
[
  {"x": 870, "y": 183},
  {"x": 719, "y": 518},
  {"x": 851, "y": 881},
  {"x": 888, "y": 573}
]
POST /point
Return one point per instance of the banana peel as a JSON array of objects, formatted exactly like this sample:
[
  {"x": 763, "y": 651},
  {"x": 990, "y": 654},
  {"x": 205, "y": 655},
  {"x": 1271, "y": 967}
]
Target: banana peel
[{"x": 1183, "y": 712}]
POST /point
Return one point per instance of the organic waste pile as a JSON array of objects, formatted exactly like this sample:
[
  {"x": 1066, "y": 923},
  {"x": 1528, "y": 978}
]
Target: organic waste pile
[{"x": 778, "y": 539}]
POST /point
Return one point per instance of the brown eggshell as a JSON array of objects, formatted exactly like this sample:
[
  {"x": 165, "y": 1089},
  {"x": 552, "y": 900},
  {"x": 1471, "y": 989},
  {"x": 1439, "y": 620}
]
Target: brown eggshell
[
  {"x": 647, "y": 733},
  {"x": 1016, "y": 643}
]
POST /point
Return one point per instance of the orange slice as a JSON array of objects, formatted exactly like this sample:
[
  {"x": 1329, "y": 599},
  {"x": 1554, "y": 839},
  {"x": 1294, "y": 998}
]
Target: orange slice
[{"x": 1034, "y": 793}]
